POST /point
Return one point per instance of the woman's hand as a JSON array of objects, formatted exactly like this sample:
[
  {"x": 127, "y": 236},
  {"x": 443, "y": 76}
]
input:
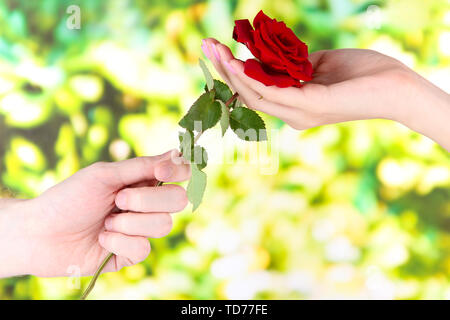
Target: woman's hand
[
  {"x": 348, "y": 84},
  {"x": 107, "y": 207}
]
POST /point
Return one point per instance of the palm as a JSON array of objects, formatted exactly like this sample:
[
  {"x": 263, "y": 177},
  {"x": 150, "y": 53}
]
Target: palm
[
  {"x": 72, "y": 217},
  {"x": 364, "y": 75},
  {"x": 69, "y": 227},
  {"x": 336, "y": 66}
]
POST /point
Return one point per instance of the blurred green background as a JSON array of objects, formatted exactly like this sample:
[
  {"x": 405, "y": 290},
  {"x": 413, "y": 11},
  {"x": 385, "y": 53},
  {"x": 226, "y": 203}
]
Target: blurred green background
[{"x": 356, "y": 210}]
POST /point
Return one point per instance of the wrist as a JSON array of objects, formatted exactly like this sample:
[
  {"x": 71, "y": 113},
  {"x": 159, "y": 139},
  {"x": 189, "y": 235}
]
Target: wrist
[
  {"x": 15, "y": 242},
  {"x": 426, "y": 110}
]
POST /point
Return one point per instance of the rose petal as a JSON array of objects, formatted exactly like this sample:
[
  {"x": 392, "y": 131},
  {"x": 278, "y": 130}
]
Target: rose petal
[
  {"x": 282, "y": 56},
  {"x": 242, "y": 31},
  {"x": 301, "y": 71},
  {"x": 266, "y": 46},
  {"x": 260, "y": 18},
  {"x": 255, "y": 70},
  {"x": 287, "y": 39}
]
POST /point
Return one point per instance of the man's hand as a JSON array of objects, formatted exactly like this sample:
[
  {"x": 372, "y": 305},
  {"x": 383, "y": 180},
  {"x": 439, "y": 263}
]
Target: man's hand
[{"x": 106, "y": 207}]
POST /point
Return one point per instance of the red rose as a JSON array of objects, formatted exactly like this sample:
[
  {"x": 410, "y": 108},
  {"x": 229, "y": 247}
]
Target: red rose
[{"x": 282, "y": 57}]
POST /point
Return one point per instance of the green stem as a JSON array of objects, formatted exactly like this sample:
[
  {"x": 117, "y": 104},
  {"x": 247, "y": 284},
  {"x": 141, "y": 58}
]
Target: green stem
[
  {"x": 95, "y": 277},
  {"x": 230, "y": 101},
  {"x": 101, "y": 267},
  {"x": 198, "y": 136},
  {"x": 109, "y": 256}
]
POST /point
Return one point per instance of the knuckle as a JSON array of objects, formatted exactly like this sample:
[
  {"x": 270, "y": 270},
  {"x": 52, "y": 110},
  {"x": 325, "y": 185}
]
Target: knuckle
[
  {"x": 97, "y": 166},
  {"x": 400, "y": 75},
  {"x": 145, "y": 162}
]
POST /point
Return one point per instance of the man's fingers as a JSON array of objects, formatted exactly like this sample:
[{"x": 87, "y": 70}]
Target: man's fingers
[
  {"x": 168, "y": 170},
  {"x": 133, "y": 249},
  {"x": 149, "y": 225},
  {"x": 127, "y": 172},
  {"x": 140, "y": 170},
  {"x": 166, "y": 198}
]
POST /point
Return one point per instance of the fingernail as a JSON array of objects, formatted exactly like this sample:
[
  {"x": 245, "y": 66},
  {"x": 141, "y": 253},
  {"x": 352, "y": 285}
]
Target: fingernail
[
  {"x": 165, "y": 154},
  {"x": 229, "y": 67},
  {"x": 175, "y": 153},
  {"x": 121, "y": 200},
  {"x": 205, "y": 49},
  {"x": 166, "y": 172},
  {"x": 216, "y": 53}
]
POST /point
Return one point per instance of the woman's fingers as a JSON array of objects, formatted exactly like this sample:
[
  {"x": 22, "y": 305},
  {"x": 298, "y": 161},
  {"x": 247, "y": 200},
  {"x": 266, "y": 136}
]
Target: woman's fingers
[
  {"x": 251, "y": 98},
  {"x": 302, "y": 98},
  {"x": 316, "y": 57},
  {"x": 210, "y": 50},
  {"x": 166, "y": 198},
  {"x": 133, "y": 249},
  {"x": 149, "y": 225},
  {"x": 281, "y": 103},
  {"x": 225, "y": 63},
  {"x": 293, "y": 97}
]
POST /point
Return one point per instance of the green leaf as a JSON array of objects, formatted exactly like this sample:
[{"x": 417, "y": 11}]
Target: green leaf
[
  {"x": 237, "y": 103},
  {"x": 205, "y": 111},
  {"x": 186, "y": 144},
  {"x": 208, "y": 76},
  {"x": 196, "y": 187},
  {"x": 193, "y": 154},
  {"x": 199, "y": 157},
  {"x": 225, "y": 118},
  {"x": 223, "y": 92},
  {"x": 247, "y": 124}
]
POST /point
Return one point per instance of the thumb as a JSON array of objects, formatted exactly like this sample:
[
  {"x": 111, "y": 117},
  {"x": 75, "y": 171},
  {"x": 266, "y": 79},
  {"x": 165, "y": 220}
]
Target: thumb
[
  {"x": 172, "y": 170},
  {"x": 128, "y": 172}
]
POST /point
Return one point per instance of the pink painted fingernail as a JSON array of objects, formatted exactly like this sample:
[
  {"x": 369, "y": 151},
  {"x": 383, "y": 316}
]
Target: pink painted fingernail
[
  {"x": 121, "y": 200},
  {"x": 216, "y": 53},
  {"x": 229, "y": 67},
  {"x": 205, "y": 49}
]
